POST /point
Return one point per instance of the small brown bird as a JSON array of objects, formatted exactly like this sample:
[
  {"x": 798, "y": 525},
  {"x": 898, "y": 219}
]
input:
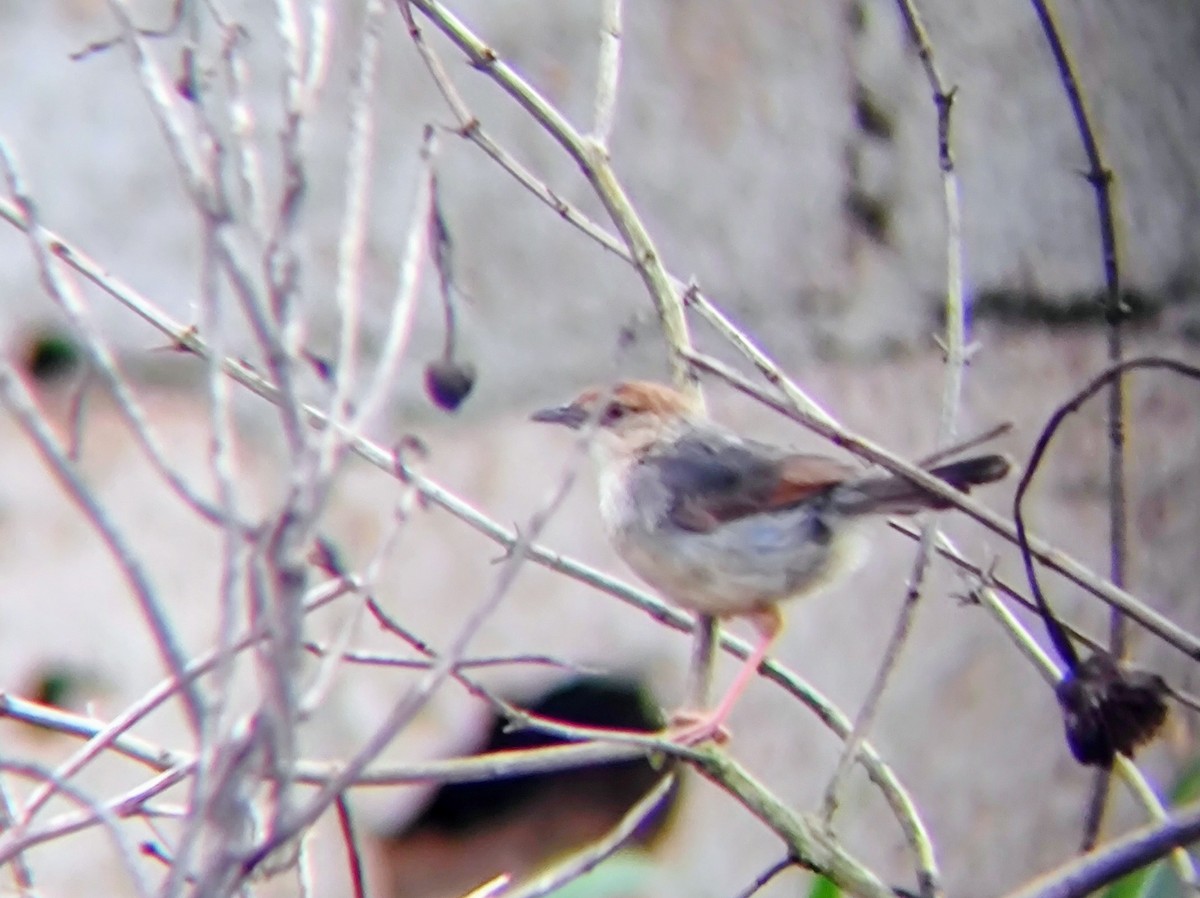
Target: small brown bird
[{"x": 727, "y": 526}]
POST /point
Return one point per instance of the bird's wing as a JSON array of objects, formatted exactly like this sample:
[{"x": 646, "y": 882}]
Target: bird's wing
[{"x": 714, "y": 477}]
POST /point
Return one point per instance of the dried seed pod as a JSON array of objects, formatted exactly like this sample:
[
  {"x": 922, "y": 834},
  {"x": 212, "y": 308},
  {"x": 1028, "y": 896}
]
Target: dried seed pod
[
  {"x": 448, "y": 382},
  {"x": 51, "y": 356},
  {"x": 1108, "y": 709}
]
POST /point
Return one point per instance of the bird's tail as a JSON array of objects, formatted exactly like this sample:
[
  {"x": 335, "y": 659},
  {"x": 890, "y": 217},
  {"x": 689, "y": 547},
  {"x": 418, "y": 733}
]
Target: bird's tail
[{"x": 892, "y": 494}]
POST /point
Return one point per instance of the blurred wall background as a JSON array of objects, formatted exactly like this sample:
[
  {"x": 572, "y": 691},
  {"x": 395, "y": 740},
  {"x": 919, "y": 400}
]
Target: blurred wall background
[{"x": 786, "y": 157}]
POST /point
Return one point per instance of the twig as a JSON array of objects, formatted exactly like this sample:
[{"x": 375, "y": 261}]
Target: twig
[
  {"x": 1097, "y": 868},
  {"x": 104, "y": 815},
  {"x": 740, "y": 341},
  {"x": 803, "y": 841},
  {"x": 410, "y": 270},
  {"x": 608, "y": 74},
  {"x": 957, "y": 306},
  {"x": 410, "y": 704},
  {"x": 316, "y": 62},
  {"x": 1058, "y": 636},
  {"x": 870, "y": 705},
  {"x": 1053, "y": 558},
  {"x": 1100, "y": 176},
  {"x": 214, "y": 144},
  {"x": 164, "y": 101},
  {"x": 348, "y": 292},
  {"x": 472, "y": 129},
  {"x": 353, "y": 855},
  {"x": 22, "y": 873},
  {"x": 805, "y": 837},
  {"x": 272, "y": 319},
  {"x": 955, "y": 347},
  {"x": 1142, "y": 792},
  {"x": 242, "y": 137},
  {"x": 580, "y": 862},
  {"x": 20, "y": 403},
  {"x": 322, "y": 680},
  {"x": 950, "y": 552},
  {"x": 103, "y": 364},
  {"x": 101, "y": 738},
  {"x": 167, "y": 30},
  {"x": 386, "y": 659},
  {"x": 766, "y": 876},
  {"x": 384, "y": 459},
  {"x": 965, "y": 445},
  {"x": 592, "y": 157},
  {"x": 494, "y": 765},
  {"x": 493, "y": 888},
  {"x": 127, "y": 805}
]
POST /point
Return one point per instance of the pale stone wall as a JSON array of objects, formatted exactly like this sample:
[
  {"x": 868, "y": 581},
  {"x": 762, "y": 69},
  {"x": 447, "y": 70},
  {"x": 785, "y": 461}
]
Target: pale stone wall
[{"x": 738, "y": 139}]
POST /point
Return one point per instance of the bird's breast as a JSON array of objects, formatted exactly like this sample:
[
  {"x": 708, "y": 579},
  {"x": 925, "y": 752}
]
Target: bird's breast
[{"x": 740, "y": 565}]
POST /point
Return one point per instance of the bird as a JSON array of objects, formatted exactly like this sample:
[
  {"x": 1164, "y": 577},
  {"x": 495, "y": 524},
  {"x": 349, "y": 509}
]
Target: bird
[{"x": 720, "y": 524}]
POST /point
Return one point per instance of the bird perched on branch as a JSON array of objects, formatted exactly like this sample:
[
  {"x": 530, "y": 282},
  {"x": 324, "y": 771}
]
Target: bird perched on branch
[{"x": 726, "y": 526}]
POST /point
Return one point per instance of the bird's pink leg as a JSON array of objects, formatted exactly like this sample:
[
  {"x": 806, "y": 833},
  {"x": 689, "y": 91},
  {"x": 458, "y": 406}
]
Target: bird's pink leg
[{"x": 768, "y": 623}]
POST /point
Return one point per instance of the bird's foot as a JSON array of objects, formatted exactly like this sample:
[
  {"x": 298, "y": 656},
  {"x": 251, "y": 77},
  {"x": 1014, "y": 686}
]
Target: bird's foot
[{"x": 692, "y": 728}]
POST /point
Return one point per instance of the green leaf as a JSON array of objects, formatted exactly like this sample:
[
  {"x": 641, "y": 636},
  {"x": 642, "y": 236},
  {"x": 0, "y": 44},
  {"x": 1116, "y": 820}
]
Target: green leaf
[{"x": 823, "y": 887}]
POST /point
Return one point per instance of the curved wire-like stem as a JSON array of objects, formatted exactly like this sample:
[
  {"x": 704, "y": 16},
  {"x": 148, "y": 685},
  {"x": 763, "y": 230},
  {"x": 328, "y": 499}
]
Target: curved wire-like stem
[{"x": 1057, "y": 633}]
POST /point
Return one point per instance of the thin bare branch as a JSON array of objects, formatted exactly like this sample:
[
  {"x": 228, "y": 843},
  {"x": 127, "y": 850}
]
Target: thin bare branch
[
  {"x": 592, "y": 158},
  {"x": 1029, "y": 548},
  {"x": 408, "y": 284},
  {"x": 19, "y": 402},
  {"x": 187, "y": 337},
  {"x": 1053, "y": 558},
  {"x": 352, "y": 242},
  {"x": 1108, "y": 863},
  {"x": 761, "y": 881},
  {"x": 1141, "y": 790},
  {"x": 580, "y": 862},
  {"x": 104, "y": 815},
  {"x": 353, "y": 854},
  {"x": 608, "y": 71},
  {"x": 320, "y": 39},
  {"x": 22, "y": 873},
  {"x": 418, "y": 696},
  {"x": 104, "y": 365},
  {"x": 954, "y": 341},
  {"x": 1101, "y": 178}
]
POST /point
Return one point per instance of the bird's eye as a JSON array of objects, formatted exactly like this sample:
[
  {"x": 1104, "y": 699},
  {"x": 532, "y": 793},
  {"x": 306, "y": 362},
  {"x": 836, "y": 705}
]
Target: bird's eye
[{"x": 615, "y": 412}]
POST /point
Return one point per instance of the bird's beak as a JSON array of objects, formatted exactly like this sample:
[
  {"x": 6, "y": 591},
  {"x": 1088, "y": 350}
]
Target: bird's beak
[{"x": 572, "y": 416}]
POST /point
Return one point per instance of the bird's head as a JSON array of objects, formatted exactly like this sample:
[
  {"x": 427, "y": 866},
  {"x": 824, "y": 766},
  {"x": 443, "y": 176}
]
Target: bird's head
[{"x": 629, "y": 416}]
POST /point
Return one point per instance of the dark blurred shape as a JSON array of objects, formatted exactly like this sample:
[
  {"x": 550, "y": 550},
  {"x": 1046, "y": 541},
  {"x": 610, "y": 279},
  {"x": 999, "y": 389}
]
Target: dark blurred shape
[
  {"x": 1108, "y": 709},
  {"x": 870, "y": 116},
  {"x": 1077, "y": 310},
  {"x": 460, "y": 807},
  {"x": 448, "y": 382},
  {"x": 470, "y": 832},
  {"x": 320, "y": 365},
  {"x": 870, "y": 214},
  {"x": 51, "y": 356},
  {"x": 59, "y": 684},
  {"x": 326, "y": 556}
]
